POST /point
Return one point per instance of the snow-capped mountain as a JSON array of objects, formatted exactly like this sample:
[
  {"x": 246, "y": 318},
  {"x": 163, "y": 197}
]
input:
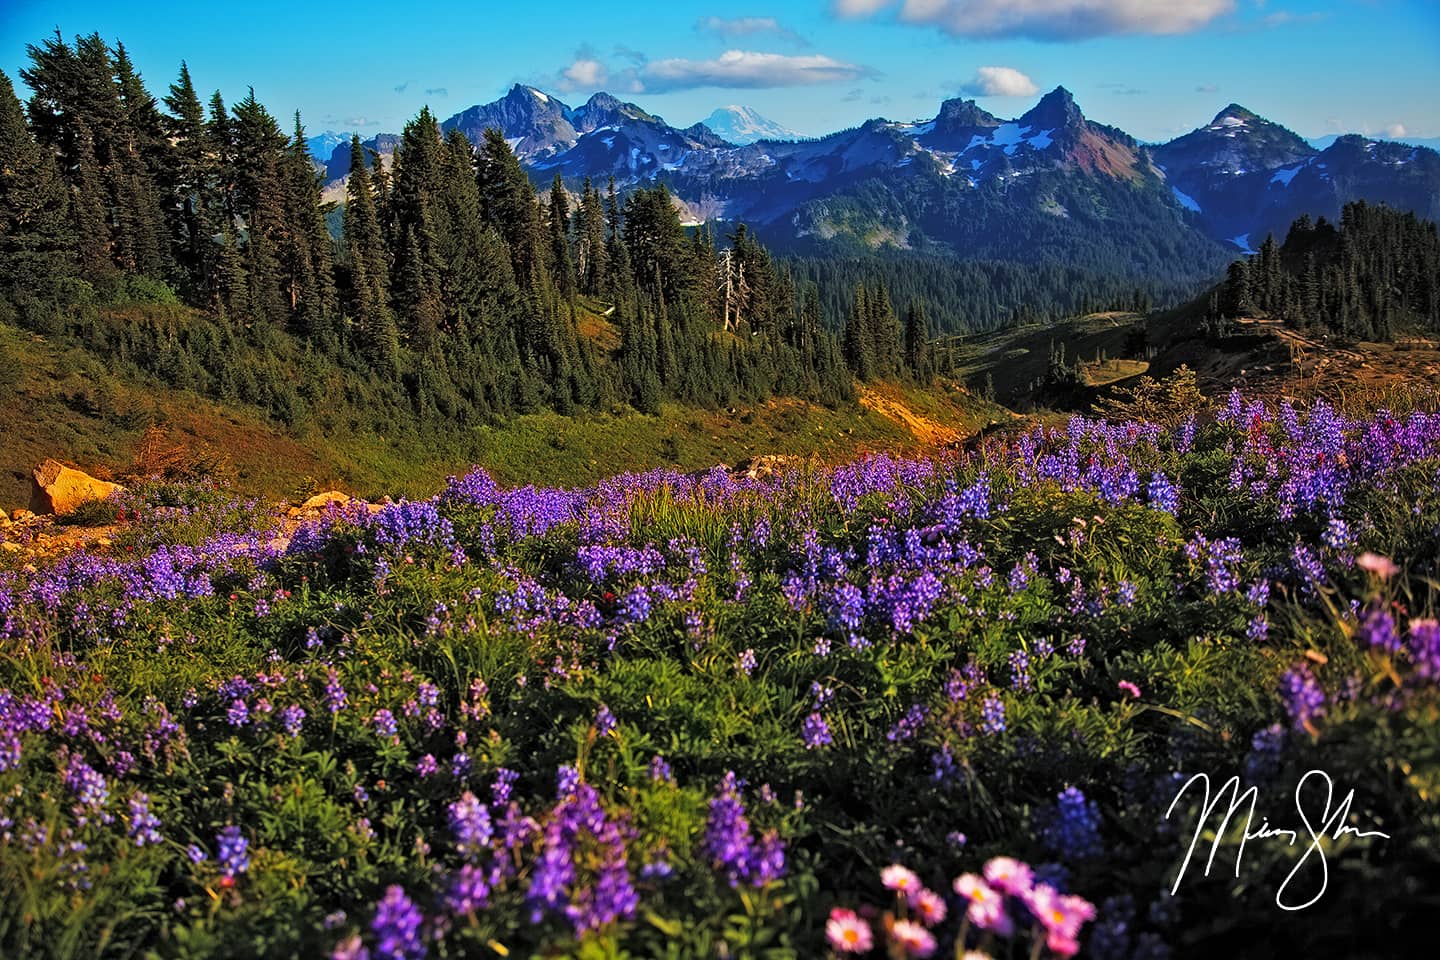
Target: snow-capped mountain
[
  {"x": 744, "y": 125},
  {"x": 535, "y": 123}
]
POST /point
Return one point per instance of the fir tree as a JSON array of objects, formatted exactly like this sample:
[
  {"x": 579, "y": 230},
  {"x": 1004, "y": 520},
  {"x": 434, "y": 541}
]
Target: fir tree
[
  {"x": 36, "y": 235},
  {"x": 917, "y": 343}
]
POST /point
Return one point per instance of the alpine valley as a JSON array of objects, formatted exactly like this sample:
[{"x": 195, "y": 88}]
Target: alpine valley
[{"x": 1046, "y": 186}]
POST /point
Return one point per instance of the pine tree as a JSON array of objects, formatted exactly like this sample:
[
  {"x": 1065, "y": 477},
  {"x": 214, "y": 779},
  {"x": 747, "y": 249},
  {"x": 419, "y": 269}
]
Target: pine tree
[
  {"x": 591, "y": 230},
  {"x": 89, "y": 210},
  {"x": 858, "y": 341},
  {"x": 917, "y": 343},
  {"x": 561, "y": 265},
  {"x": 36, "y": 235},
  {"x": 1237, "y": 296},
  {"x": 190, "y": 186},
  {"x": 508, "y": 202},
  {"x": 232, "y": 286},
  {"x": 308, "y": 253},
  {"x": 378, "y": 337}
]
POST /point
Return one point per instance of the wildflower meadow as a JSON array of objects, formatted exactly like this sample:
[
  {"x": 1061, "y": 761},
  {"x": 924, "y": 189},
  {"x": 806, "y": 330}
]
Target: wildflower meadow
[{"x": 953, "y": 706}]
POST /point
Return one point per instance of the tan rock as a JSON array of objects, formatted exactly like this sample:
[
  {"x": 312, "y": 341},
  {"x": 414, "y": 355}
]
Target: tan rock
[
  {"x": 768, "y": 464},
  {"x": 20, "y": 515},
  {"x": 322, "y": 500},
  {"x": 58, "y": 489}
]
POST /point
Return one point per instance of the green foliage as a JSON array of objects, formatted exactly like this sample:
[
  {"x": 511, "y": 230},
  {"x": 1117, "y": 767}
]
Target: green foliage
[{"x": 1374, "y": 276}]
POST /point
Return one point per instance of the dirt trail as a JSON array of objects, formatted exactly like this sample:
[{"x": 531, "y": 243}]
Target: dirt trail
[{"x": 926, "y": 430}]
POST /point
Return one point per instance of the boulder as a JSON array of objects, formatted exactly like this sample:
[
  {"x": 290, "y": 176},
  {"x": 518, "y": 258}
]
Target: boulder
[
  {"x": 20, "y": 515},
  {"x": 57, "y": 489},
  {"x": 322, "y": 500}
]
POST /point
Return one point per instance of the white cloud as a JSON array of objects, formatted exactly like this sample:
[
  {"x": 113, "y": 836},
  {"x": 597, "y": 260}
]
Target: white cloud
[
  {"x": 1395, "y": 131},
  {"x": 1046, "y": 19},
  {"x": 1000, "y": 82},
  {"x": 746, "y": 69},
  {"x": 584, "y": 73},
  {"x": 859, "y": 8},
  {"x": 732, "y": 27}
]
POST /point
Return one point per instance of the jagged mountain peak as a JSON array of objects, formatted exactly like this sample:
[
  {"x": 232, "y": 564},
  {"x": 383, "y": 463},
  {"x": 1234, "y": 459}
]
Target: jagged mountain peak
[
  {"x": 1235, "y": 112},
  {"x": 960, "y": 114},
  {"x": 1056, "y": 109},
  {"x": 527, "y": 93},
  {"x": 604, "y": 109}
]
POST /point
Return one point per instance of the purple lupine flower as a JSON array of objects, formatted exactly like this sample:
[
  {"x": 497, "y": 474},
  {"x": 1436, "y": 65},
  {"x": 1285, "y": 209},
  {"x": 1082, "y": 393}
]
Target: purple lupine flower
[
  {"x": 335, "y": 696},
  {"x": 88, "y": 785},
  {"x": 396, "y": 927},
  {"x": 908, "y": 726},
  {"x": 728, "y": 842},
  {"x": 1423, "y": 643},
  {"x": 1020, "y": 678},
  {"x": 567, "y": 781},
  {"x": 503, "y": 785},
  {"x": 144, "y": 825},
  {"x": 232, "y": 852},
  {"x": 427, "y": 766},
  {"x": 992, "y": 714},
  {"x": 945, "y": 769},
  {"x": 815, "y": 732},
  {"x": 747, "y": 662},
  {"x": 660, "y": 770},
  {"x": 1265, "y": 750},
  {"x": 1071, "y": 827},
  {"x": 384, "y": 723},
  {"x": 1302, "y": 695},
  {"x": 292, "y": 718},
  {"x": 1377, "y": 631},
  {"x": 468, "y": 890},
  {"x": 239, "y": 713},
  {"x": 1161, "y": 493},
  {"x": 604, "y": 721},
  {"x": 470, "y": 825}
]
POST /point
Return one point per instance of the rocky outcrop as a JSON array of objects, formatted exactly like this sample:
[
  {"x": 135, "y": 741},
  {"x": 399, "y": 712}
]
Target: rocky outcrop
[{"x": 57, "y": 490}]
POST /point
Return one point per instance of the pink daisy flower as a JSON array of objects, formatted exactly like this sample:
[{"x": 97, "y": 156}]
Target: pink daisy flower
[
  {"x": 900, "y": 879},
  {"x": 847, "y": 933},
  {"x": 987, "y": 905},
  {"x": 1382, "y": 567},
  {"x": 1127, "y": 687},
  {"x": 1009, "y": 875},
  {"x": 929, "y": 907},
  {"x": 1062, "y": 916},
  {"x": 914, "y": 939}
]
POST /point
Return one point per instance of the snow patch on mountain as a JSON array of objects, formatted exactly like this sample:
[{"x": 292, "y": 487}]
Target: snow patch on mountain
[
  {"x": 1243, "y": 242},
  {"x": 1009, "y": 136},
  {"x": 1284, "y": 175},
  {"x": 1185, "y": 200}
]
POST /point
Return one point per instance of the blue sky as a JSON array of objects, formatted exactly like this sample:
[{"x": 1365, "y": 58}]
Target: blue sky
[{"x": 1152, "y": 67}]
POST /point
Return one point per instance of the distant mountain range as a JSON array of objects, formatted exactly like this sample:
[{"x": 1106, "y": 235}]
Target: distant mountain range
[
  {"x": 1047, "y": 186},
  {"x": 1320, "y": 143}
]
